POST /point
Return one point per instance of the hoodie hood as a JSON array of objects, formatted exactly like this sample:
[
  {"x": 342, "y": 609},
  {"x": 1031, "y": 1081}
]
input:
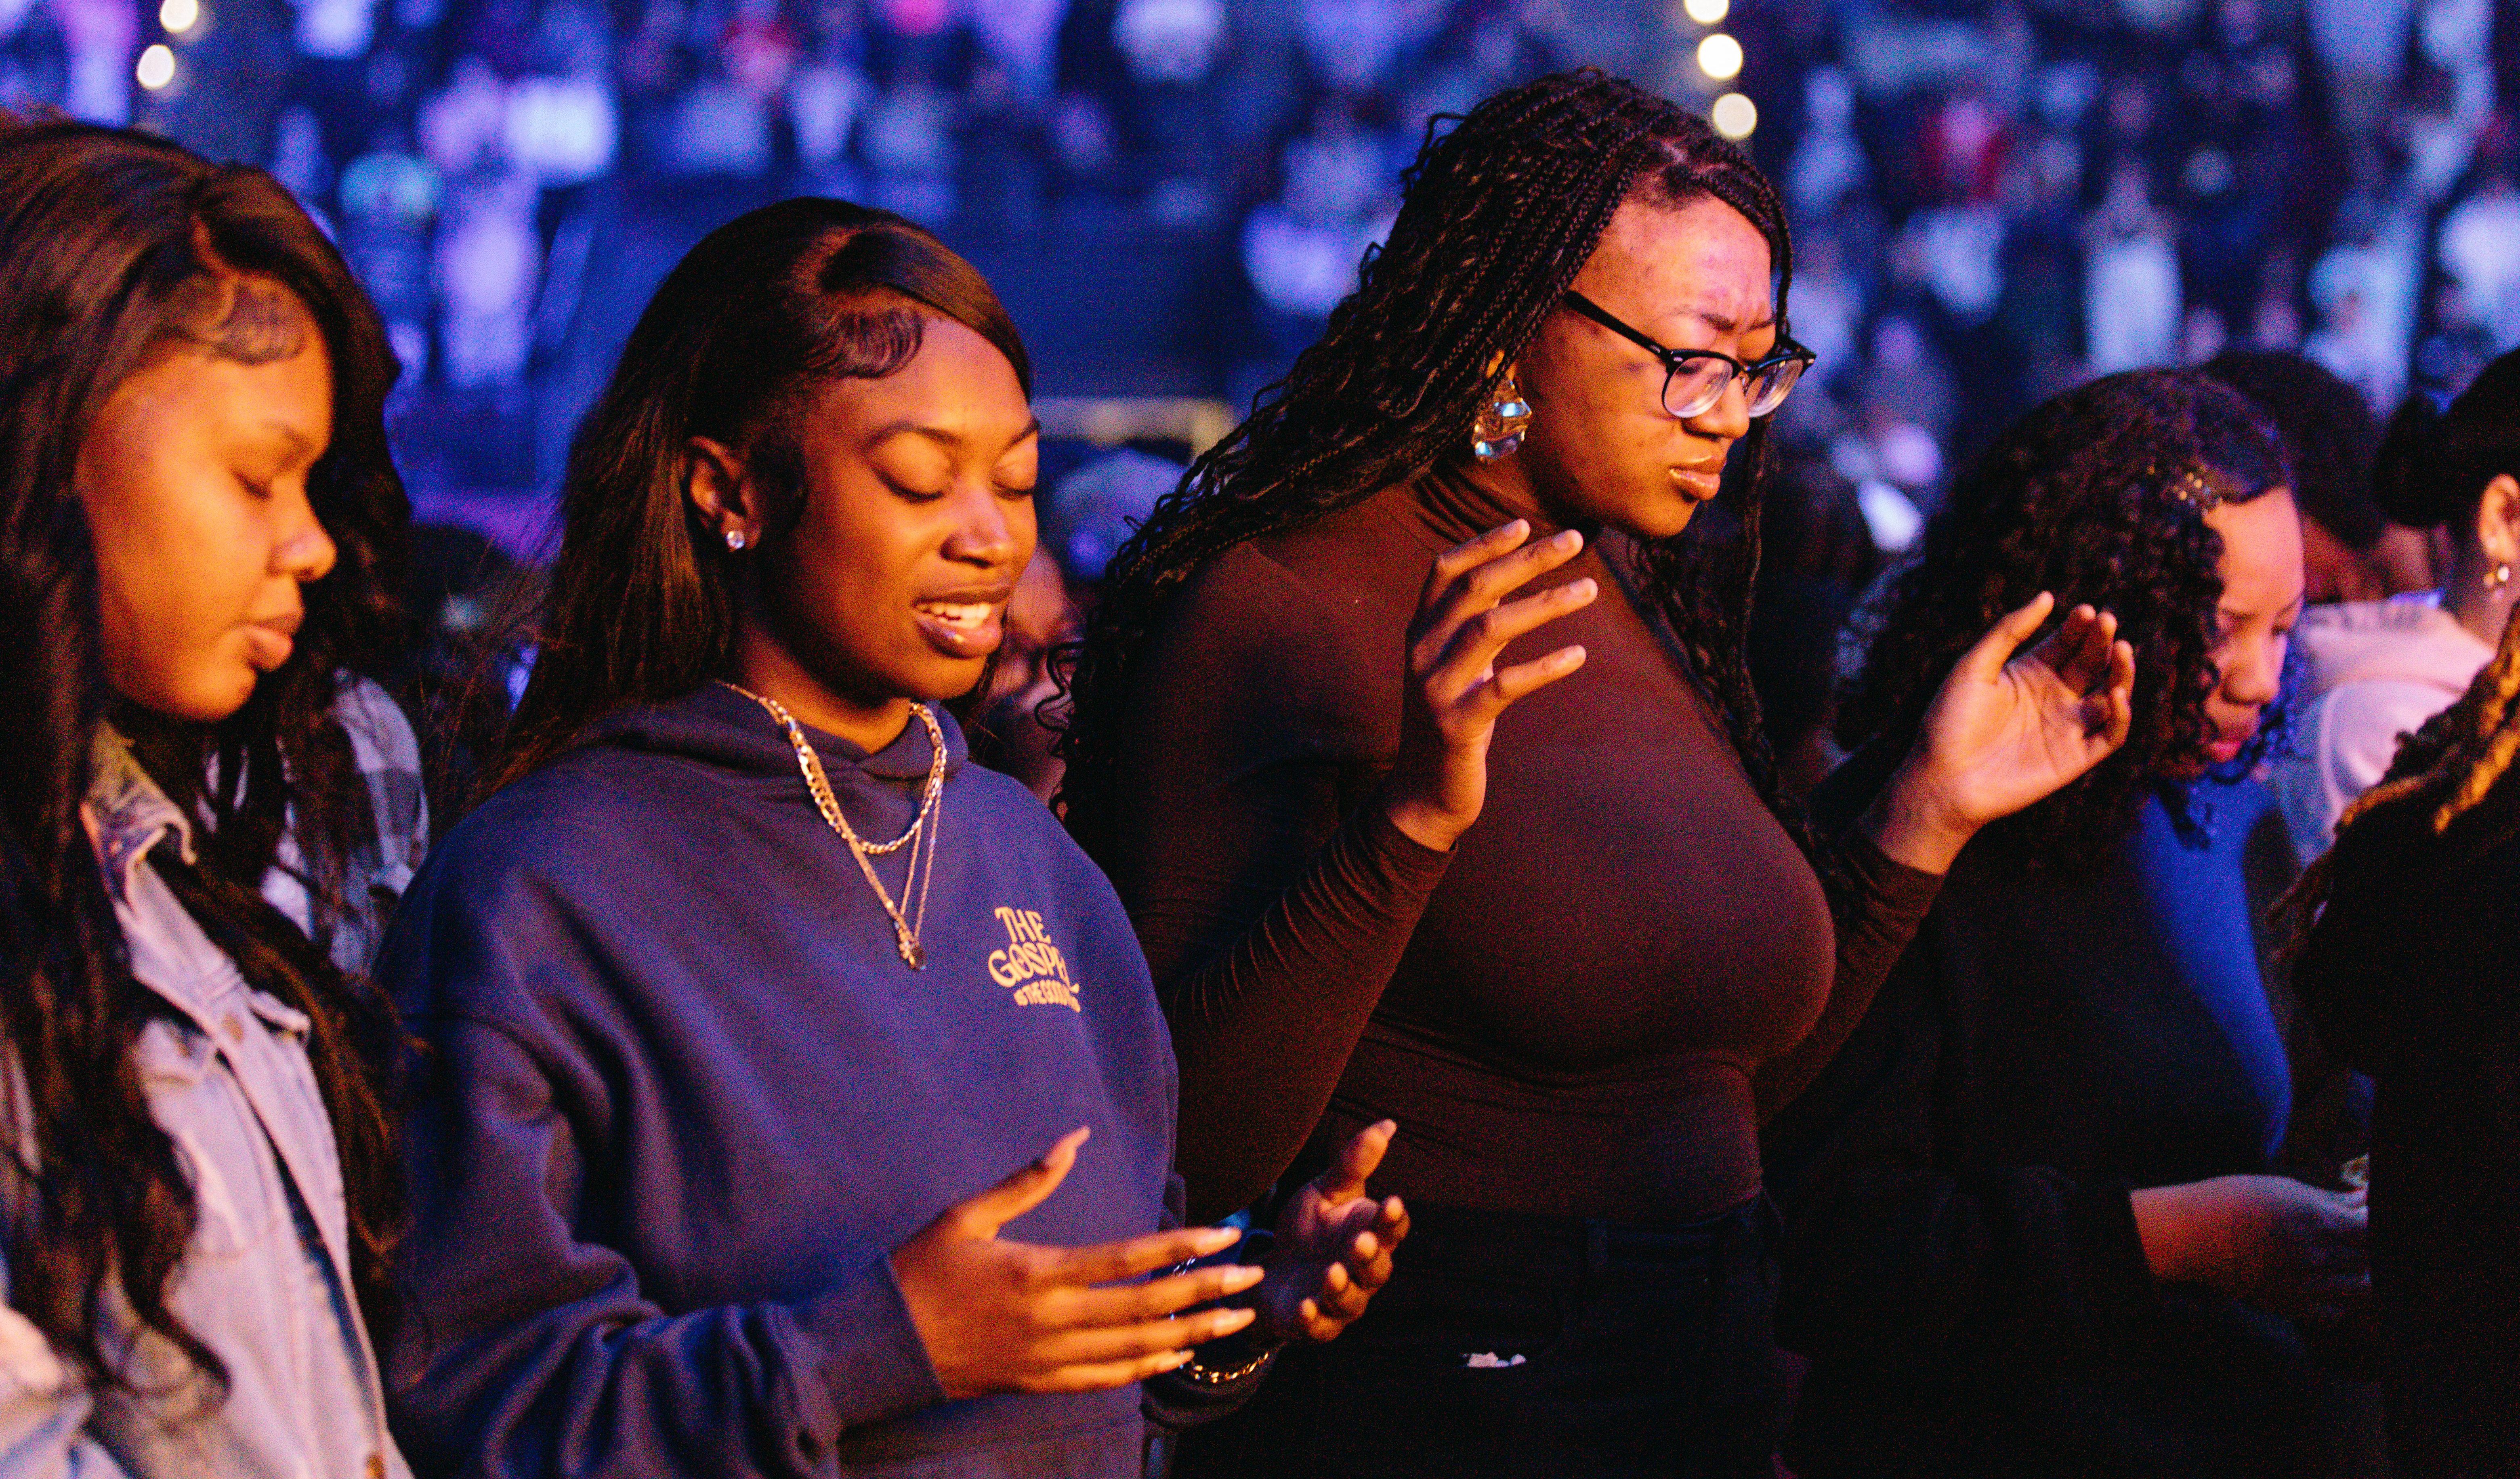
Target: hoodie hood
[
  {"x": 2410, "y": 639},
  {"x": 718, "y": 726}
]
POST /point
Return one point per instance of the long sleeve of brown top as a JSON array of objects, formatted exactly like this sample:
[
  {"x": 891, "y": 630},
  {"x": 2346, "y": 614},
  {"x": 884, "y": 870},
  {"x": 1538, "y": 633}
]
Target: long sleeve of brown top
[{"x": 1567, "y": 1012}]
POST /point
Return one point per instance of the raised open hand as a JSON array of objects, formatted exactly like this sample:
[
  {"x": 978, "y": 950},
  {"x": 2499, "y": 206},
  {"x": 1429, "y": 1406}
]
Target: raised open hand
[
  {"x": 2007, "y": 729},
  {"x": 1334, "y": 1247},
  {"x": 1010, "y": 1316},
  {"x": 1455, "y": 689}
]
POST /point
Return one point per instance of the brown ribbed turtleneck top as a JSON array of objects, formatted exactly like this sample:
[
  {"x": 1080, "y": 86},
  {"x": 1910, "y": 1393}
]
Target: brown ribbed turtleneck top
[{"x": 1576, "y": 1012}]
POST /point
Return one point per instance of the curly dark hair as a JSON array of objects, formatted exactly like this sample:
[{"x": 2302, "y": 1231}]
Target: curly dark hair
[
  {"x": 2099, "y": 496},
  {"x": 116, "y": 246},
  {"x": 1496, "y": 217}
]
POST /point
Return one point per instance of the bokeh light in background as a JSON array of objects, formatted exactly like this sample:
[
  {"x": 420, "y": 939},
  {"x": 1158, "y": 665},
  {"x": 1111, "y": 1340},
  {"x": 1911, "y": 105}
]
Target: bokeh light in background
[
  {"x": 1733, "y": 115},
  {"x": 1990, "y": 198},
  {"x": 1719, "y": 56}
]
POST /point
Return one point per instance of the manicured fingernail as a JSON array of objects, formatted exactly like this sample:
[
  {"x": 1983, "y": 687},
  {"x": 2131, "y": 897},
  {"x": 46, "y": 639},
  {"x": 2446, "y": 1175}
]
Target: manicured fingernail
[
  {"x": 1241, "y": 1277},
  {"x": 1581, "y": 589},
  {"x": 1227, "y": 1321},
  {"x": 1215, "y": 1239},
  {"x": 1177, "y": 1360},
  {"x": 1567, "y": 539}
]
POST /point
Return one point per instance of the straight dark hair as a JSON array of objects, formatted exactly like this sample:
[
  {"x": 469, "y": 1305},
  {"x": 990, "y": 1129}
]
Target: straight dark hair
[
  {"x": 2446, "y": 799},
  {"x": 116, "y": 248},
  {"x": 641, "y": 599},
  {"x": 2442, "y": 458}
]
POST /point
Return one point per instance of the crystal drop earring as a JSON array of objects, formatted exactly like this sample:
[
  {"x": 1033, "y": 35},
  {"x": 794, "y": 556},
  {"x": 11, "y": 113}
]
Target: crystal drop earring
[{"x": 1501, "y": 423}]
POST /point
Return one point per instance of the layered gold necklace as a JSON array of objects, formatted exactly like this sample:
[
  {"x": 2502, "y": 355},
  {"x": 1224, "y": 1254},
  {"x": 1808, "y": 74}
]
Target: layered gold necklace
[{"x": 920, "y": 839}]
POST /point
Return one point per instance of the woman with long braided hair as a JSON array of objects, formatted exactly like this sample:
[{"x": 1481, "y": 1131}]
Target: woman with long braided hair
[
  {"x": 2414, "y": 907},
  {"x": 1284, "y": 726}
]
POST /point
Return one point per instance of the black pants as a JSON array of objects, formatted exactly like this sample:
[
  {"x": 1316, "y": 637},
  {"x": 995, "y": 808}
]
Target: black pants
[{"x": 1511, "y": 1345}]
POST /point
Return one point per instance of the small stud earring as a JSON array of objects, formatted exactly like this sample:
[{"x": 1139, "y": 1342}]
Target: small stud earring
[
  {"x": 2498, "y": 577},
  {"x": 1501, "y": 423},
  {"x": 735, "y": 539}
]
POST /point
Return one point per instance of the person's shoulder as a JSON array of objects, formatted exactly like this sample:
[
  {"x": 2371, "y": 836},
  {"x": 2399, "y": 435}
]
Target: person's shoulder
[
  {"x": 578, "y": 813},
  {"x": 1005, "y": 807},
  {"x": 1253, "y": 620},
  {"x": 2406, "y": 638},
  {"x": 1248, "y": 597},
  {"x": 2391, "y": 703},
  {"x": 546, "y": 903},
  {"x": 1019, "y": 826},
  {"x": 1320, "y": 573},
  {"x": 2358, "y": 726}
]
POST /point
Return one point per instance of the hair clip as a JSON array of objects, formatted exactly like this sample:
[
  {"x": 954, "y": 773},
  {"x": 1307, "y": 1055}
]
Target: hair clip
[{"x": 2192, "y": 487}]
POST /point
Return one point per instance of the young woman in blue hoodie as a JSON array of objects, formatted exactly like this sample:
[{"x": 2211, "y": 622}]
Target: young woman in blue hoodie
[{"x": 754, "y": 1005}]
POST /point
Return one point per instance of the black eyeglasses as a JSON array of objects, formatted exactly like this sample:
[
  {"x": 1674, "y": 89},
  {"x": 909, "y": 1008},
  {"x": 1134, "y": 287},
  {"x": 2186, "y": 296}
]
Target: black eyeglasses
[{"x": 1694, "y": 379}]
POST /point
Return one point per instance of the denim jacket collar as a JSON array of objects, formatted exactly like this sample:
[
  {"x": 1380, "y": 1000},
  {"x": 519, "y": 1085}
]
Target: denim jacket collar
[{"x": 127, "y": 812}]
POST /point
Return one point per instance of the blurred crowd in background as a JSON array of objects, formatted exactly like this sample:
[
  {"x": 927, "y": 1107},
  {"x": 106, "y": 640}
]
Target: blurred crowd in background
[{"x": 1992, "y": 199}]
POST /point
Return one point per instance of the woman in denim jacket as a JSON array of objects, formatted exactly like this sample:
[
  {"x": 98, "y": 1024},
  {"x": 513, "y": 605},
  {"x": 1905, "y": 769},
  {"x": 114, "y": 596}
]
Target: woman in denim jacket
[{"x": 196, "y": 509}]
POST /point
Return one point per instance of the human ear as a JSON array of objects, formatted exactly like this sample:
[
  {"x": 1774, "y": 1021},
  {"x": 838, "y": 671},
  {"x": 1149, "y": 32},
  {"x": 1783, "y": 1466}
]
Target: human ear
[
  {"x": 2498, "y": 520},
  {"x": 721, "y": 492}
]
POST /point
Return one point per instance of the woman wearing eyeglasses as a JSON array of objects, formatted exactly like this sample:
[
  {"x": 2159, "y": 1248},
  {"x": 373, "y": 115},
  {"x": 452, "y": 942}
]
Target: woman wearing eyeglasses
[{"x": 1440, "y": 573}]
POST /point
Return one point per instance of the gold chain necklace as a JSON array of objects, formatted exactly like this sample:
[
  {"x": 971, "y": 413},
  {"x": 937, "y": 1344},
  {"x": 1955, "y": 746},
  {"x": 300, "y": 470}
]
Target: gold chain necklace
[{"x": 923, "y": 828}]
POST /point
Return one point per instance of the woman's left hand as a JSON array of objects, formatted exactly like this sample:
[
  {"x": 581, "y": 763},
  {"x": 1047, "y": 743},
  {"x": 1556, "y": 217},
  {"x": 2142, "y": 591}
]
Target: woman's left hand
[
  {"x": 1332, "y": 1249},
  {"x": 2008, "y": 729}
]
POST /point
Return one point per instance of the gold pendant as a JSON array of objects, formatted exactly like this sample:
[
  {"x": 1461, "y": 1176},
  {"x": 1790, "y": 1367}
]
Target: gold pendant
[{"x": 909, "y": 943}]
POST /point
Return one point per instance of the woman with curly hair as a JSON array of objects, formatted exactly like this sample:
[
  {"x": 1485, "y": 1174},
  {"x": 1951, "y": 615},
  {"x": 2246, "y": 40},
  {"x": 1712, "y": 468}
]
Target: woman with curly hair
[
  {"x": 196, "y": 521},
  {"x": 2030, "y": 1224},
  {"x": 1288, "y": 718},
  {"x": 2414, "y": 908}
]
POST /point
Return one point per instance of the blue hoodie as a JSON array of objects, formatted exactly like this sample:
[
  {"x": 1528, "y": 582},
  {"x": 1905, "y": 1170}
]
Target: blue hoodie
[{"x": 684, "y": 1098}]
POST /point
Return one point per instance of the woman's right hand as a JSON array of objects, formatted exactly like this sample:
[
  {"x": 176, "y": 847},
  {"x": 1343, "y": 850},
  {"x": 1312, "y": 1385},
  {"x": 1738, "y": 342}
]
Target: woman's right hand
[
  {"x": 1455, "y": 689},
  {"x": 1010, "y": 1316},
  {"x": 2282, "y": 1245}
]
